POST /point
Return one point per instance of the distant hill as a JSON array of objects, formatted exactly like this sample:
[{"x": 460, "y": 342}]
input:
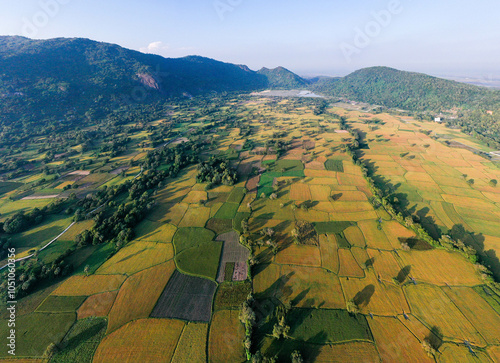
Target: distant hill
[
  {"x": 40, "y": 78},
  {"x": 282, "y": 78},
  {"x": 413, "y": 91}
]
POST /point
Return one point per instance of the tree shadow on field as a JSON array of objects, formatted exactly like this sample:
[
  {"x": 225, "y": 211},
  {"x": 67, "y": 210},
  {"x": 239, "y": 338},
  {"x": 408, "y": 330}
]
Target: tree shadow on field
[
  {"x": 403, "y": 274},
  {"x": 369, "y": 263},
  {"x": 363, "y": 297},
  {"x": 435, "y": 338}
]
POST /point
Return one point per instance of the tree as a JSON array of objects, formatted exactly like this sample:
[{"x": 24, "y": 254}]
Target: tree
[
  {"x": 247, "y": 315},
  {"x": 50, "y": 351},
  {"x": 297, "y": 357},
  {"x": 493, "y": 182},
  {"x": 352, "y": 307},
  {"x": 280, "y": 329},
  {"x": 428, "y": 348},
  {"x": 470, "y": 182},
  {"x": 86, "y": 270}
]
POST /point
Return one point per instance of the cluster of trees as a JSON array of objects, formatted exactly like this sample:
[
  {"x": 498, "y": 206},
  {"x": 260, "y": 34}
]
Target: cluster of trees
[
  {"x": 175, "y": 158},
  {"x": 22, "y": 221},
  {"x": 216, "y": 171},
  {"x": 31, "y": 273}
]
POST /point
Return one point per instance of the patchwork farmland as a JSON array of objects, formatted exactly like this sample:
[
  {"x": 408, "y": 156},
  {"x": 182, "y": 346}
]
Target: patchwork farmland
[{"x": 314, "y": 245}]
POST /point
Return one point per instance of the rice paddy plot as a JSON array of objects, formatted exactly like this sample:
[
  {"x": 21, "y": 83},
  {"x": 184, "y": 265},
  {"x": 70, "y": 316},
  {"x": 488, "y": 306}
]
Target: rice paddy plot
[
  {"x": 440, "y": 267},
  {"x": 321, "y": 326},
  {"x": 189, "y": 237},
  {"x": 202, "y": 260},
  {"x": 97, "y": 305},
  {"x": 477, "y": 311},
  {"x": 142, "y": 340},
  {"x": 36, "y": 331},
  {"x": 227, "y": 211},
  {"x": 331, "y": 227},
  {"x": 374, "y": 296},
  {"x": 136, "y": 257},
  {"x": 301, "y": 255},
  {"x": 395, "y": 343},
  {"x": 89, "y": 285},
  {"x": 138, "y": 295},
  {"x": 60, "y": 304},
  {"x": 81, "y": 341},
  {"x": 186, "y": 298},
  {"x": 192, "y": 344},
  {"x": 431, "y": 305},
  {"x": 225, "y": 337},
  {"x": 233, "y": 252}
]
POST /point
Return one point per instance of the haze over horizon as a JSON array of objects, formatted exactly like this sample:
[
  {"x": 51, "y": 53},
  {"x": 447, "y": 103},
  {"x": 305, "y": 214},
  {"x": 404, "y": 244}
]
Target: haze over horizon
[{"x": 446, "y": 38}]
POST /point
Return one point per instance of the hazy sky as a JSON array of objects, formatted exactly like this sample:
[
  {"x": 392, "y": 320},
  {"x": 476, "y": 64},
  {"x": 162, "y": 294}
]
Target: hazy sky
[{"x": 333, "y": 37}]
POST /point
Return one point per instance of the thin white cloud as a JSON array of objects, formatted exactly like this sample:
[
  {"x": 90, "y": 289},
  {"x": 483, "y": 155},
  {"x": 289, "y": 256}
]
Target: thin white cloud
[{"x": 155, "y": 48}]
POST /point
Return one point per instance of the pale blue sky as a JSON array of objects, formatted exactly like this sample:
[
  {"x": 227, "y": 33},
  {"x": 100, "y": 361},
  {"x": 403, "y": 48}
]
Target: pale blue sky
[{"x": 334, "y": 37}]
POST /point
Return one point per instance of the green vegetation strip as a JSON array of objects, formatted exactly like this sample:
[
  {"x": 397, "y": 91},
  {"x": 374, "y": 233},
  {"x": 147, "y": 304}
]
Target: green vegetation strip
[{"x": 332, "y": 227}]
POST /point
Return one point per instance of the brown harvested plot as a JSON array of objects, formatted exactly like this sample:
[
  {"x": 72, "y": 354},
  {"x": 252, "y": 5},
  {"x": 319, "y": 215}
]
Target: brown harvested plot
[
  {"x": 186, "y": 298},
  {"x": 145, "y": 340},
  {"x": 252, "y": 184},
  {"x": 315, "y": 165},
  {"x": 440, "y": 267},
  {"x": 226, "y": 335},
  {"x": 136, "y": 257},
  {"x": 348, "y": 352},
  {"x": 355, "y": 237},
  {"x": 168, "y": 212},
  {"x": 477, "y": 311},
  {"x": 329, "y": 254},
  {"x": 300, "y": 191},
  {"x": 139, "y": 294},
  {"x": 300, "y": 255},
  {"x": 395, "y": 343},
  {"x": 320, "y": 192},
  {"x": 375, "y": 238},
  {"x": 232, "y": 251},
  {"x": 192, "y": 344},
  {"x": 309, "y": 287},
  {"x": 431, "y": 305},
  {"x": 323, "y": 181},
  {"x": 240, "y": 272},
  {"x": 97, "y": 305},
  {"x": 195, "y": 216},
  {"x": 386, "y": 266},
  {"x": 375, "y": 297},
  {"x": 89, "y": 285},
  {"x": 348, "y": 265}
]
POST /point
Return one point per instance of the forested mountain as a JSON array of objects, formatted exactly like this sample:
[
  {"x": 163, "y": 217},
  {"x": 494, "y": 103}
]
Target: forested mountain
[
  {"x": 58, "y": 77},
  {"x": 282, "y": 78},
  {"x": 411, "y": 91},
  {"x": 58, "y": 80}
]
